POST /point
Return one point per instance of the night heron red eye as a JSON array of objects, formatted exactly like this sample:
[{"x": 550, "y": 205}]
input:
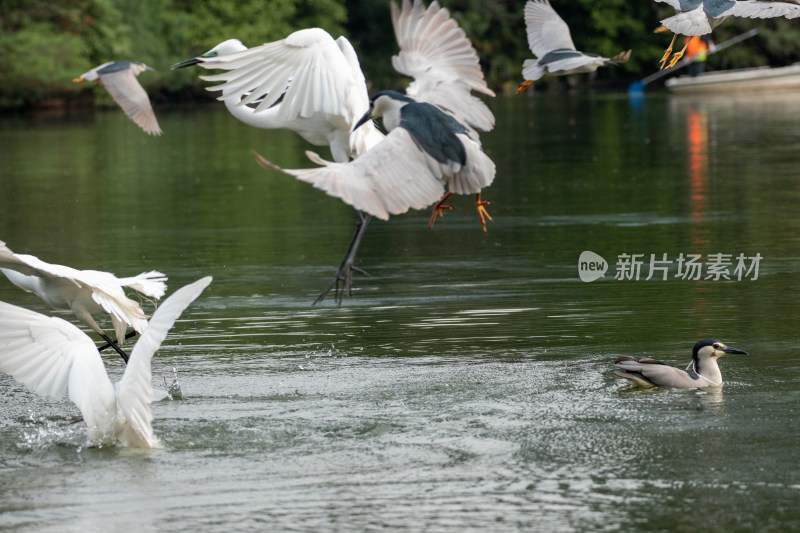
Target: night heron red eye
[{"x": 716, "y": 345}]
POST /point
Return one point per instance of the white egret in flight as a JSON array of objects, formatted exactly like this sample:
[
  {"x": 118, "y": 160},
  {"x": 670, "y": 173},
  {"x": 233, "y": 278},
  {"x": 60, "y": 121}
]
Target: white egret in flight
[
  {"x": 85, "y": 292},
  {"x": 119, "y": 79},
  {"x": 52, "y": 357},
  {"x": 550, "y": 41}
]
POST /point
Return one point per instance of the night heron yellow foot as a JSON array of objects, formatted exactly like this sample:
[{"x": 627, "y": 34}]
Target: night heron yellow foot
[
  {"x": 524, "y": 86},
  {"x": 677, "y": 56},
  {"x": 439, "y": 209},
  {"x": 667, "y": 53},
  {"x": 483, "y": 214}
]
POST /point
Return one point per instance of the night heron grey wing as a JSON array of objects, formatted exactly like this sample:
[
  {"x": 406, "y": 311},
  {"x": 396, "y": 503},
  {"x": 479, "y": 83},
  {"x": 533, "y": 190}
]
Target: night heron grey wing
[
  {"x": 546, "y": 29},
  {"x": 758, "y": 9},
  {"x": 125, "y": 89},
  {"x": 651, "y": 372},
  {"x": 436, "y": 52},
  {"x": 682, "y": 5},
  {"x": 391, "y": 178}
]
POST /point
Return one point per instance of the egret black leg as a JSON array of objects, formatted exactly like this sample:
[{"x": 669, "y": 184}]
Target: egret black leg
[
  {"x": 113, "y": 344},
  {"x": 109, "y": 343},
  {"x": 345, "y": 273}
]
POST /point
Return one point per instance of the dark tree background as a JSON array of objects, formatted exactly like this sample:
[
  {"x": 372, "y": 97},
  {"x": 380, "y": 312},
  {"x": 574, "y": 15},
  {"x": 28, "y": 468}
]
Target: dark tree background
[{"x": 47, "y": 43}]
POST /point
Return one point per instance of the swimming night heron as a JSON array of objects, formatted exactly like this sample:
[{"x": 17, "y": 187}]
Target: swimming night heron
[
  {"x": 704, "y": 371},
  {"x": 700, "y": 17},
  {"x": 551, "y": 43},
  {"x": 313, "y": 85},
  {"x": 119, "y": 79},
  {"x": 85, "y": 292},
  {"x": 52, "y": 357}
]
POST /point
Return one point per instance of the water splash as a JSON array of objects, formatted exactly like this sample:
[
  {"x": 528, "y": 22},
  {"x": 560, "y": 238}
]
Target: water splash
[
  {"x": 41, "y": 433},
  {"x": 173, "y": 387}
]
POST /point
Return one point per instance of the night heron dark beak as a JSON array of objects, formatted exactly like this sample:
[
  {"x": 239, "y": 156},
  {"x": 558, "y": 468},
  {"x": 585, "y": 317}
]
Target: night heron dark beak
[
  {"x": 363, "y": 120},
  {"x": 185, "y": 63},
  {"x": 729, "y": 350}
]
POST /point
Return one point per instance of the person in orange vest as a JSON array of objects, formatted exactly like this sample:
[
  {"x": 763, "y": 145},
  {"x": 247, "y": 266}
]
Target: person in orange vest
[{"x": 697, "y": 50}]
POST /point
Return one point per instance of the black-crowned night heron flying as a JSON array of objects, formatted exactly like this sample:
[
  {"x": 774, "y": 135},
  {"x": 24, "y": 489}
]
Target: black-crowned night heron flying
[
  {"x": 119, "y": 79},
  {"x": 426, "y": 152},
  {"x": 700, "y": 17},
  {"x": 551, "y": 43},
  {"x": 704, "y": 371},
  {"x": 313, "y": 85},
  {"x": 85, "y": 292},
  {"x": 52, "y": 357}
]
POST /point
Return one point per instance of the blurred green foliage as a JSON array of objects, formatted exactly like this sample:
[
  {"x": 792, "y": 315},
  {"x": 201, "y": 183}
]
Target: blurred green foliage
[{"x": 48, "y": 43}]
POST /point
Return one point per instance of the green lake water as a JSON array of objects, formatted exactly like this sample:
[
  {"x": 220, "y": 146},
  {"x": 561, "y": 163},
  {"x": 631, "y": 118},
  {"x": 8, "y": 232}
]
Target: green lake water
[{"x": 468, "y": 383}]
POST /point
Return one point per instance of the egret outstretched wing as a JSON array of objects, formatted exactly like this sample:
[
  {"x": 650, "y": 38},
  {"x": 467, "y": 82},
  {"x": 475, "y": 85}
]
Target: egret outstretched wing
[
  {"x": 135, "y": 391},
  {"x": 306, "y": 72},
  {"x": 49, "y": 356}
]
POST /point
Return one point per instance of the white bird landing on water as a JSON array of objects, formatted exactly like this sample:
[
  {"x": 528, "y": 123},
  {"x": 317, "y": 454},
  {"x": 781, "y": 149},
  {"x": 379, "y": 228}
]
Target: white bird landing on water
[
  {"x": 51, "y": 357},
  {"x": 84, "y": 292},
  {"x": 551, "y": 43},
  {"x": 313, "y": 85},
  {"x": 705, "y": 371},
  {"x": 119, "y": 79},
  {"x": 700, "y": 17}
]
